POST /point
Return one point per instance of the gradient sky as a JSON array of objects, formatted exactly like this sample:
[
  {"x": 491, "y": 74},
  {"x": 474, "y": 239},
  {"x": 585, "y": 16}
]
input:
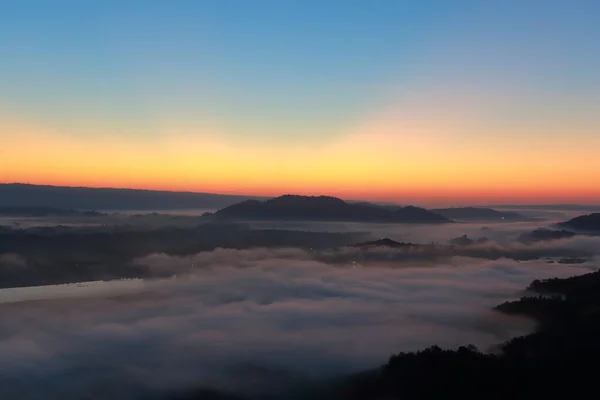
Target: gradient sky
[{"x": 421, "y": 101}]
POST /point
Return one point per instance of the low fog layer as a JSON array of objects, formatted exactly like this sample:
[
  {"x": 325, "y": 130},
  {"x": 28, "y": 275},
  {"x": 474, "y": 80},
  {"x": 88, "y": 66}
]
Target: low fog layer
[
  {"x": 34, "y": 256},
  {"x": 252, "y": 308},
  {"x": 249, "y": 314},
  {"x": 502, "y": 233}
]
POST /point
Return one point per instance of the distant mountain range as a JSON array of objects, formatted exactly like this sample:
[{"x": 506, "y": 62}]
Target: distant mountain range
[
  {"x": 21, "y": 196},
  {"x": 325, "y": 208},
  {"x": 478, "y": 214},
  {"x": 84, "y": 198}
]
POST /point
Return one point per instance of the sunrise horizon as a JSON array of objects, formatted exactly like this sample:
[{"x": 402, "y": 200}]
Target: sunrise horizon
[
  {"x": 414, "y": 199},
  {"x": 418, "y": 101}
]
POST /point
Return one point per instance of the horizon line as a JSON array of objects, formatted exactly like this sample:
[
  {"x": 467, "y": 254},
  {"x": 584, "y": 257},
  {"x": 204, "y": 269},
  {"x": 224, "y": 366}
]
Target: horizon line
[{"x": 283, "y": 194}]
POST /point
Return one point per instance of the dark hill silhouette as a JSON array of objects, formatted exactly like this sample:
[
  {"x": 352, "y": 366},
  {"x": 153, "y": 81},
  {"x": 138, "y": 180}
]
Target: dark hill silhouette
[
  {"x": 385, "y": 242},
  {"x": 478, "y": 214},
  {"x": 325, "y": 208},
  {"x": 465, "y": 240},
  {"x": 84, "y": 198},
  {"x": 584, "y": 223},
  {"x": 545, "y": 364},
  {"x": 542, "y": 235}
]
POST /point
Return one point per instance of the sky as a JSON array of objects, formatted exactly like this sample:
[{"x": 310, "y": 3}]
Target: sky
[{"x": 415, "y": 101}]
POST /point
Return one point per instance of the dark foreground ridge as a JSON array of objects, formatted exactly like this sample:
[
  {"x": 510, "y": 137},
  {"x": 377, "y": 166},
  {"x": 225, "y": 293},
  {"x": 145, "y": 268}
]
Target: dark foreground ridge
[
  {"x": 555, "y": 362},
  {"x": 325, "y": 208}
]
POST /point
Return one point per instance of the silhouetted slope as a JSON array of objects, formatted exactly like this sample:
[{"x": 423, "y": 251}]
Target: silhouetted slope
[
  {"x": 552, "y": 363},
  {"x": 324, "y": 208},
  {"x": 585, "y": 223},
  {"x": 83, "y": 198},
  {"x": 478, "y": 214}
]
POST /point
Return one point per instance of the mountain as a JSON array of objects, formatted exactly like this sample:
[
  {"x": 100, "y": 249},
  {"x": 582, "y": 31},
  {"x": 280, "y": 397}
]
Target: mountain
[
  {"x": 478, "y": 214},
  {"x": 325, "y": 208},
  {"x": 585, "y": 223},
  {"x": 84, "y": 198}
]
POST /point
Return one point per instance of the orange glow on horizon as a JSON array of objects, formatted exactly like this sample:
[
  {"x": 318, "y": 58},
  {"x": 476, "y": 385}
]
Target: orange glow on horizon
[
  {"x": 392, "y": 158},
  {"x": 430, "y": 197}
]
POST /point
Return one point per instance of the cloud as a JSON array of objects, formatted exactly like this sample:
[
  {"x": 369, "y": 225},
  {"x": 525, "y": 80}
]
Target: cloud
[{"x": 236, "y": 312}]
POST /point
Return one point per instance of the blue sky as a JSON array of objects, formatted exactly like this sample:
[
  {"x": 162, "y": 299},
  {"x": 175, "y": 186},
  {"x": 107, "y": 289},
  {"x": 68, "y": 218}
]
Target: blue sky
[
  {"x": 302, "y": 73},
  {"x": 268, "y": 63}
]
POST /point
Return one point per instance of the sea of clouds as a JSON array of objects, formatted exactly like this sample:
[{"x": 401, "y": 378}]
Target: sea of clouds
[{"x": 252, "y": 321}]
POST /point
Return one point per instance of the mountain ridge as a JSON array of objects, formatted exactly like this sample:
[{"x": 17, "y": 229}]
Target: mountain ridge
[
  {"x": 326, "y": 208},
  {"x": 24, "y": 195}
]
